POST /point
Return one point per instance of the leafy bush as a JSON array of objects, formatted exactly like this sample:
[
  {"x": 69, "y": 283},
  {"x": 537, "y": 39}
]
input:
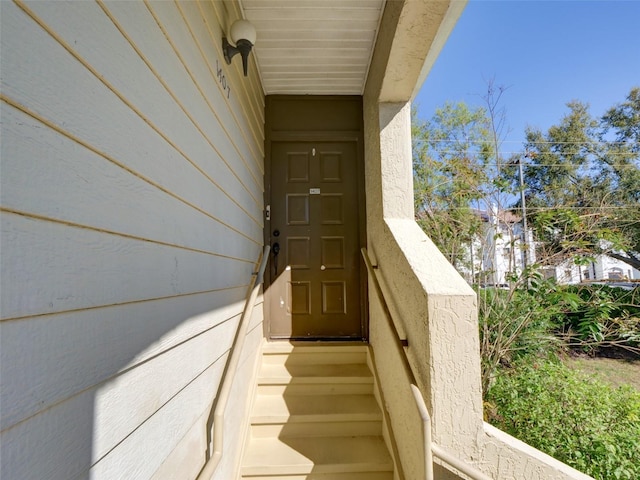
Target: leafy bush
[
  {"x": 537, "y": 318},
  {"x": 599, "y": 316},
  {"x": 516, "y": 324},
  {"x": 571, "y": 416}
]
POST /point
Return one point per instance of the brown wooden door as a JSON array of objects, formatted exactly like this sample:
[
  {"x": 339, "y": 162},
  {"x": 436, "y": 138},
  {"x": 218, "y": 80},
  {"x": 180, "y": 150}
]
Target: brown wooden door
[{"x": 314, "y": 287}]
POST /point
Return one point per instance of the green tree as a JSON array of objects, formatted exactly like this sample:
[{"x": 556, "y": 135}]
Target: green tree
[
  {"x": 450, "y": 154},
  {"x": 583, "y": 188},
  {"x": 622, "y": 166}
]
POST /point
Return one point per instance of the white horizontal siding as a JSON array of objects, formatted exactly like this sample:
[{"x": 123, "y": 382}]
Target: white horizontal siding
[
  {"x": 203, "y": 76},
  {"x": 109, "y": 414},
  {"x": 132, "y": 198},
  {"x": 61, "y": 171},
  {"x": 174, "y": 466},
  {"x": 50, "y": 267},
  {"x": 160, "y": 144},
  {"x": 61, "y": 361},
  {"x": 216, "y": 14},
  {"x": 186, "y": 459},
  {"x": 234, "y": 436}
]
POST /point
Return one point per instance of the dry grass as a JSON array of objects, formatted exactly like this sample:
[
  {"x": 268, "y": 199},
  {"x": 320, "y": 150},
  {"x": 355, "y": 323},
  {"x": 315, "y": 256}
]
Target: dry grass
[{"x": 613, "y": 371}]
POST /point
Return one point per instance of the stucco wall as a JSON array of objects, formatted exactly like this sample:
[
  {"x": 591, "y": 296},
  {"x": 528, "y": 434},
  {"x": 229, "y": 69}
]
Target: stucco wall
[
  {"x": 131, "y": 196},
  {"x": 432, "y": 306}
]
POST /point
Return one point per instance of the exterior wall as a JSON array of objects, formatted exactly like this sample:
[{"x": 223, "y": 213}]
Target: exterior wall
[
  {"x": 434, "y": 308},
  {"x": 605, "y": 268},
  {"x": 131, "y": 196},
  {"x": 502, "y": 251},
  {"x": 568, "y": 273},
  {"x": 504, "y": 456}
]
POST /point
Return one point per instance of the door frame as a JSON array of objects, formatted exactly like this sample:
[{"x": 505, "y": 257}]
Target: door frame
[{"x": 352, "y": 133}]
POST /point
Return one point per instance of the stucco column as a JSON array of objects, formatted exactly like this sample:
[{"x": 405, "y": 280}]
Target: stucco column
[
  {"x": 388, "y": 164},
  {"x": 432, "y": 305},
  {"x": 396, "y": 165}
]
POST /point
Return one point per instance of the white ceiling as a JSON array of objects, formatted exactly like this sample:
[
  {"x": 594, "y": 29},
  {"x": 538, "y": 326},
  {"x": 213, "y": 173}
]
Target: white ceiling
[{"x": 314, "y": 46}]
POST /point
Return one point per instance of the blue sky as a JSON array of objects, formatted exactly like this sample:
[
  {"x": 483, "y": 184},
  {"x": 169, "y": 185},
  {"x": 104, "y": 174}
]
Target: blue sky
[{"x": 546, "y": 52}]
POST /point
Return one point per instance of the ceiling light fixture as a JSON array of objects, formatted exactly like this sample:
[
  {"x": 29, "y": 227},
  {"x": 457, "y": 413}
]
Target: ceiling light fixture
[{"x": 243, "y": 35}]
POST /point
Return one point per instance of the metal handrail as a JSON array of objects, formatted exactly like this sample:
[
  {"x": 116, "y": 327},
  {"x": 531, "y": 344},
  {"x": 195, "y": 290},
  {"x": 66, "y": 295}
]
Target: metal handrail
[
  {"x": 399, "y": 342},
  {"x": 430, "y": 449},
  {"x": 219, "y": 403}
]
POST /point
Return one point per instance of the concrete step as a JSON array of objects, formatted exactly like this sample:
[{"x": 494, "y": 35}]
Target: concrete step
[
  {"x": 318, "y": 408},
  {"x": 270, "y": 348},
  {"x": 325, "y": 373},
  {"x": 320, "y": 415},
  {"x": 318, "y": 455},
  {"x": 327, "y": 476},
  {"x": 315, "y": 416},
  {"x": 316, "y": 429},
  {"x": 310, "y": 389},
  {"x": 289, "y": 354}
]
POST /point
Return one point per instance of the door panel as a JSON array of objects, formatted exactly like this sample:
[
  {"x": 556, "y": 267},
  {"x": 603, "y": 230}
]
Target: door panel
[{"x": 314, "y": 287}]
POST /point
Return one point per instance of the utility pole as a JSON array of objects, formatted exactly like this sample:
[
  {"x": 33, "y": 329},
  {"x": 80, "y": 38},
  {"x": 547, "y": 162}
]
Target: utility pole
[
  {"x": 473, "y": 268},
  {"x": 525, "y": 258}
]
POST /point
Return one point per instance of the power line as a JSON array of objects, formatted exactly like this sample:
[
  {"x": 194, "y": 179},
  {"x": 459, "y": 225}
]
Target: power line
[
  {"x": 570, "y": 207},
  {"x": 539, "y": 142},
  {"x": 559, "y": 207},
  {"x": 540, "y": 165},
  {"x": 520, "y": 152}
]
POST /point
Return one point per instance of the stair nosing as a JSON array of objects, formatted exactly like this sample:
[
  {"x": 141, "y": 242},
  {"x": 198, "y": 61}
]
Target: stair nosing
[
  {"x": 280, "y": 348},
  {"x": 316, "y": 469},
  {"x": 315, "y": 418}
]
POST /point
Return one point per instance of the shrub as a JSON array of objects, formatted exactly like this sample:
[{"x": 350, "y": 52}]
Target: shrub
[
  {"x": 515, "y": 324},
  {"x": 573, "y": 417},
  {"x": 598, "y": 316}
]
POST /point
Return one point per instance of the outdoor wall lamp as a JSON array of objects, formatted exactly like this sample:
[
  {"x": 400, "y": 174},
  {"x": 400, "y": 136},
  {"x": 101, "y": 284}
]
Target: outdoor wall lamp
[{"x": 243, "y": 34}]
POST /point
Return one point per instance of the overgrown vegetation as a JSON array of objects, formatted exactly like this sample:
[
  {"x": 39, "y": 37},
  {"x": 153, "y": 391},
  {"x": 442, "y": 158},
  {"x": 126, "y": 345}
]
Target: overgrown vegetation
[
  {"x": 575, "y": 418},
  {"x": 536, "y": 318},
  {"x": 516, "y": 324},
  {"x": 530, "y": 394},
  {"x": 597, "y": 317}
]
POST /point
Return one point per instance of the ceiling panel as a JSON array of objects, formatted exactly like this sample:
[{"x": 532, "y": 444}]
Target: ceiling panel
[{"x": 314, "y": 46}]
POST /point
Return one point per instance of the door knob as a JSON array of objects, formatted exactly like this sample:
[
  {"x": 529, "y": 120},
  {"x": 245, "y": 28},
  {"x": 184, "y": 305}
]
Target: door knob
[{"x": 275, "y": 248}]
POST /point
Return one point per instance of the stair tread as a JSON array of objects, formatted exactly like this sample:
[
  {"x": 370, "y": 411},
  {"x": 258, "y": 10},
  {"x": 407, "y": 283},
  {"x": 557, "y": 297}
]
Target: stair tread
[
  {"x": 320, "y": 408},
  {"x": 305, "y": 373},
  {"x": 300, "y": 455},
  {"x": 268, "y": 427},
  {"x": 325, "y": 476},
  {"x": 275, "y": 386},
  {"x": 278, "y": 348},
  {"x": 317, "y": 357}
]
